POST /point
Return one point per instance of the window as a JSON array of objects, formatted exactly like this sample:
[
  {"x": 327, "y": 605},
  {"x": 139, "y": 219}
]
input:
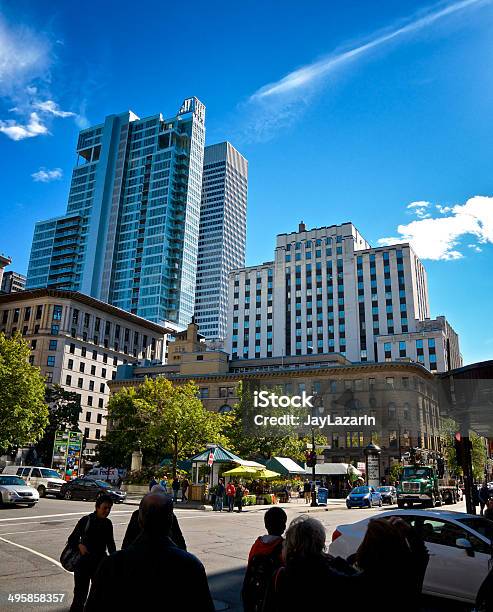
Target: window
[
  {"x": 105, "y": 358},
  {"x": 89, "y": 400},
  {"x": 101, "y": 387},
  {"x": 88, "y": 417},
  {"x": 93, "y": 370},
  {"x": 87, "y": 319},
  {"x": 86, "y": 432},
  {"x": 80, "y": 383},
  {"x": 39, "y": 312},
  {"x": 57, "y": 312},
  {"x": 54, "y": 330},
  {"x": 83, "y": 351},
  {"x": 72, "y": 349},
  {"x": 103, "y": 372},
  {"x": 95, "y": 355},
  {"x": 33, "y": 344},
  {"x": 68, "y": 380},
  {"x": 53, "y": 345},
  {"x": 203, "y": 392},
  {"x": 389, "y": 381},
  {"x": 100, "y": 402},
  {"x": 49, "y": 378},
  {"x": 36, "y": 473},
  {"x": 50, "y": 361},
  {"x": 99, "y": 418},
  {"x": 91, "y": 385},
  {"x": 82, "y": 366}
]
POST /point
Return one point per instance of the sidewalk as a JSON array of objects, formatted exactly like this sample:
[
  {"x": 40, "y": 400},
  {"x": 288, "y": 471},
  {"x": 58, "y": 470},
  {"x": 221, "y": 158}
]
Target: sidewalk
[{"x": 295, "y": 504}]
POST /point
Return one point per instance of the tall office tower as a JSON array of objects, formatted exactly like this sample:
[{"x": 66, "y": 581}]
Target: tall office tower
[
  {"x": 13, "y": 282},
  {"x": 222, "y": 236},
  {"x": 328, "y": 291},
  {"x": 130, "y": 234}
]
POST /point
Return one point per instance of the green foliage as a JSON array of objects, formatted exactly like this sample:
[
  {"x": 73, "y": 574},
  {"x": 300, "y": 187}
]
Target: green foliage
[
  {"x": 63, "y": 415},
  {"x": 282, "y": 441},
  {"x": 395, "y": 472},
  {"x": 23, "y": 411},
  {"x": 448, "y": 430},
  {"x": 159, "y": 418}
]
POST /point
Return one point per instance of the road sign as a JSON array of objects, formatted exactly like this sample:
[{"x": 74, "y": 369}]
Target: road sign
[{"x": 210, "y": 461}]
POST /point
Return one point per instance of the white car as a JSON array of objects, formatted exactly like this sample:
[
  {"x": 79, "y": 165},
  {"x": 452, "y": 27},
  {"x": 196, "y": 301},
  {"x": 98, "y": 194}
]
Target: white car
[
  {"x": 45, "y": 480},
  {"x": 13, "y": 490},
  {"x": 460, "y": 547}
]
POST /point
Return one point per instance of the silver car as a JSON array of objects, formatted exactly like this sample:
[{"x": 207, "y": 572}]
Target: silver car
[{"x": 13, "y": 490}]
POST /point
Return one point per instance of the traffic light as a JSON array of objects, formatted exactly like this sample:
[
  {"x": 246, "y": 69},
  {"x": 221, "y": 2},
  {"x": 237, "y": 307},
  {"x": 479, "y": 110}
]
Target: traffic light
[
  {"x": 311, "y": 458},
  {"x": 459, "y": 450}
]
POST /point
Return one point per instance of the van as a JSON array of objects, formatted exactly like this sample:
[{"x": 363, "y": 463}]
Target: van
[{"x": 45, "y": 480}]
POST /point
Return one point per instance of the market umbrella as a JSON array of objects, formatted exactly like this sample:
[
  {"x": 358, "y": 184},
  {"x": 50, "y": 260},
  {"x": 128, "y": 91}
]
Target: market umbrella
[
  {"x": 241, "y": 470},
  {"x": 266, "y": 474}
]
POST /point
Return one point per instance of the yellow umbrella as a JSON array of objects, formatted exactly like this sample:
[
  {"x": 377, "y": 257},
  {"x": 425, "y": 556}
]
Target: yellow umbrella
[
  {"x": 266, "y": 474},
  {"x": 241, "y": 470}
]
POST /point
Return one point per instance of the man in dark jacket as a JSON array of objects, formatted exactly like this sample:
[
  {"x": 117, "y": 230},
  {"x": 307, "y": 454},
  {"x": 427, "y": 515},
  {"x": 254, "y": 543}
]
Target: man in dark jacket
[
  {"x": 484, "y": 495},
  {"x": 134, "y": 529},
  {"x": 92, "y": 536},
  {"x": 152, "y": 556}
]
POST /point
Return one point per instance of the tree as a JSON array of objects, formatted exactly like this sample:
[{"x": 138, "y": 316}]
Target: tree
[
  {"x": 478, "y": 453},
  {"x": 282, "y": 441},
  {"x": 63, "y": 415},
  {"x": 159, "y": 418},
  {"x": 23, "y": 411}
]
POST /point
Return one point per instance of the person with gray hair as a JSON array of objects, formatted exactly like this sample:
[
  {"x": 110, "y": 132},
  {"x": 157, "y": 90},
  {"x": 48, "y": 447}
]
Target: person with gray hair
[
  {"x": 123, "y": 579},
  {"x": 134, "y": 529},
  {"x": 306, "y": 563}
]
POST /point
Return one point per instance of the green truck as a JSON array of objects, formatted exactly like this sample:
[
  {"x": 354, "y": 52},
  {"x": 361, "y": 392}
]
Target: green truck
[{"x": 419, "y": 484}]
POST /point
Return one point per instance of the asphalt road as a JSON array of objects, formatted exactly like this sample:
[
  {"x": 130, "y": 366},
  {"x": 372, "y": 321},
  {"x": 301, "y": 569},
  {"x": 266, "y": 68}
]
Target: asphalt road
[{"x": 31, "y": 540}]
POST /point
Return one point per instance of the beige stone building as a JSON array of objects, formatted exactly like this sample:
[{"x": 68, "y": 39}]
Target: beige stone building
[
  {"x": 78, "y": 342},
  {"x": 400, "y": 395}
]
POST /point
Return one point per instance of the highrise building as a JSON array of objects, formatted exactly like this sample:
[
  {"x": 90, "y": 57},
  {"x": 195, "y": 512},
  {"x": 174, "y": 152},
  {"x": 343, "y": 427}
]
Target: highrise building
[
  {"x": 130, "y": 234},
  {"x": 222, "y": 236},
  {"x": 13, "y": 282},
  {"x": 328, "y": 291}
]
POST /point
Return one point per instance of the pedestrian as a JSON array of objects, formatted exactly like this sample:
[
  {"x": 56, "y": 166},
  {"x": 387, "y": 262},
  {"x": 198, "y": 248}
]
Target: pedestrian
[
  {"x": 393, "y": 558},
  {"x": 484, "y": 495},
  {"x": 230, "y": 494},
  {"x": 307, "y": 491},
  {"x": 93, "y": 536},
  {"x": 306, "y": 563},
  {"x": 175, "y": 485},
  {"x": 488, "y": 513},
  {"x": 239, "y": 496},
  {"x": 164, "y": 483},
  {"x": 264, "y": 560},
  {"x": 184, "y": 489},
  {"x": 152, "y": 482},
  {"x": 134, "y": 529},
  {"x": 219, "y": 496},
  {"x": 129, "y": 578}
]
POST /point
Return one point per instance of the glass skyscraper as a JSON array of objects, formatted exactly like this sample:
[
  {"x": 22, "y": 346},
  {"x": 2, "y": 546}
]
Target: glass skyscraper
[
  {"x": 222, "y": 236},
  {"x": 130, "y": 234}
]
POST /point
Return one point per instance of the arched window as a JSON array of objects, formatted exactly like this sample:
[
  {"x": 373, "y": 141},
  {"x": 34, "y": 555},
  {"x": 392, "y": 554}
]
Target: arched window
[{"x": 225, "y": 408}]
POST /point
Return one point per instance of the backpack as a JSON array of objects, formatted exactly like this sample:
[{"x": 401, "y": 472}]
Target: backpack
[
  {"x": 258, "y": 577},
  {"x": 70, "y": 557}
]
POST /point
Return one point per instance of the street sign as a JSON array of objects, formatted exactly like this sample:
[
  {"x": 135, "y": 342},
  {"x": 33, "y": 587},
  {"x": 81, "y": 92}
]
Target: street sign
[{"x": 210, "y": 461}]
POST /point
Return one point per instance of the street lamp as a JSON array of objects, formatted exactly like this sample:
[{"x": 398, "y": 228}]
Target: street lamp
[{"x": 316, "y": 403}]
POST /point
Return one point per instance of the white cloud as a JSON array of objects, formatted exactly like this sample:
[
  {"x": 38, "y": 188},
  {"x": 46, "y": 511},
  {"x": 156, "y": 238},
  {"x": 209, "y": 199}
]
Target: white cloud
[
  {"x": 45, "y": 176},
  {"x": 18, "y": 131},
  {"x": 279, "y": 103},
  {"x": 439, "y": 238},
  {"x": 52, "y": 108},
  {"x": 419, "y": 209},
  {"x": 26, "y": 59}
]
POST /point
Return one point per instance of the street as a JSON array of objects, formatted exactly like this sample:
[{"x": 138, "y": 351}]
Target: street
[{"x": 32, "y": 539}]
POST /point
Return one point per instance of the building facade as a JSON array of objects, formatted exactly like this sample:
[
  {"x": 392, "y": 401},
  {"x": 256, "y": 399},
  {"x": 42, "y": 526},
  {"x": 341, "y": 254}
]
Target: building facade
[
  {"x": 222, "y": 237},
  {"x": 78, "y": 343},
  {"x": 12, "y": 282},
  {"x": 328, "y": 291},
  {"x": 130, "y": 234},
  {"x": 400, "y": 396},
  {"x": 4, "y": 262}
]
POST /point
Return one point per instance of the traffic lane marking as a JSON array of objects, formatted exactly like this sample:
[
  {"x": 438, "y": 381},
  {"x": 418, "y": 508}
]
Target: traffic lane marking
[
  {"x": 32, "y": 518},
  {"x": 38, "y": 554},
  {"x": 68, "y": 527}
]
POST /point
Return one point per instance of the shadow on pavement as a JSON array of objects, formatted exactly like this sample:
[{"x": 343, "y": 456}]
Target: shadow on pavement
[{"x": 226, "y": 589}]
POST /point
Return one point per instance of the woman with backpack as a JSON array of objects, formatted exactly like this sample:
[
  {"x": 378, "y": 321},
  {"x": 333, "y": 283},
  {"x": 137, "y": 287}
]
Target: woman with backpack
[{"x": 92, "y": 536}]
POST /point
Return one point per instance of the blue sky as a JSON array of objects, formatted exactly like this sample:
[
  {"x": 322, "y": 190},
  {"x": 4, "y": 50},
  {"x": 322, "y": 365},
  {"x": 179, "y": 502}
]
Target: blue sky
[{"x": 376, "y": 113}]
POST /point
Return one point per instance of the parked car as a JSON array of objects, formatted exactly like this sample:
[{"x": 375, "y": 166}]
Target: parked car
[
  {"x": 363, "y": 497},
  {"x": 45, "y": 480},
  {"x": 86, "y": 488},
  {"x": 13, "y": 490},
  {"x": 389, "y": 494},
  {"x": 460, "y": 547}
]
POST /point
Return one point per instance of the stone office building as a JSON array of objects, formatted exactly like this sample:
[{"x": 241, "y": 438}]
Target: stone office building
[
  {"x": 400, "y": 395},
  {"x": 78, "y": 342}
]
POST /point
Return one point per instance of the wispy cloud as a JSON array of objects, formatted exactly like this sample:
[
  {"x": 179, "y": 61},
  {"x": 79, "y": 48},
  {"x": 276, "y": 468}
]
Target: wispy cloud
[
  {"x": 276, "y": 104},
  {"x": 26, "y": 61},
  {"x": 439, "y": 237},
  {"x": 46, "y": 176}
]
